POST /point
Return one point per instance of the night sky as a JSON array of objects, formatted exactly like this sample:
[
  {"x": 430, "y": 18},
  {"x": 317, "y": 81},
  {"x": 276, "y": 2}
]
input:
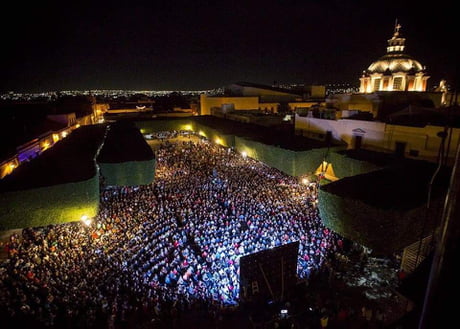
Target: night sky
[{"x": 195, "y": 45}]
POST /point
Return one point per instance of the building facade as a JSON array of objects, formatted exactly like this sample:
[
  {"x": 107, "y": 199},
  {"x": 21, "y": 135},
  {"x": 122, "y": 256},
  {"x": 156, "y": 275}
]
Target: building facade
[
  {"x": 414, "y": 142},
  {"x": 394, "y": 71}
]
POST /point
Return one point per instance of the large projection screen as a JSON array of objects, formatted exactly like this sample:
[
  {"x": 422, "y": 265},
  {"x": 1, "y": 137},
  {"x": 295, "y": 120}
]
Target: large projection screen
[{"x": 269, "y": 274}]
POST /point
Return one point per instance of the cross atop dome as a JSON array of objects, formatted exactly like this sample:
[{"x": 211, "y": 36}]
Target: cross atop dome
[
  {"x": 397, "y": 28},
  {"x": 396, "y": 43}
]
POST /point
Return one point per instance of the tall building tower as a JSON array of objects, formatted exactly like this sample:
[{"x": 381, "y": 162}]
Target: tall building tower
[{"x": 394, "y": 71}]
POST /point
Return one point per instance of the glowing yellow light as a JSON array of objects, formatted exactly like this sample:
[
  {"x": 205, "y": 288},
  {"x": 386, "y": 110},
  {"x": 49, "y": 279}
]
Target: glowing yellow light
[
  {"x": 12, "y": 165},
  {"x": 77, "y": 125},
  {"x": 64, "y": 134},
  {"x": 218, "y": 140},
  {"x": 305, "y": 181},
  {"x": 55, "y": 138},
  {"x": 244, "y": 154},
  {"x": 188, "y": 127},
  {"x": 46, "y": 145},
  {"x": 86, "y": 220},
  {"x": 201, "y": 133}
]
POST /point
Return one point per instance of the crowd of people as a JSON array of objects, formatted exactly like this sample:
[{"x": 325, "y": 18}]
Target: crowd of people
[{"x": 164, "y": 248}]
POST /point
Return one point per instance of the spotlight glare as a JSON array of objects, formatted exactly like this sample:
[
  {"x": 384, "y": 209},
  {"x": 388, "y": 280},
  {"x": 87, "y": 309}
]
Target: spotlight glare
[{"x": 86, "y": 220}]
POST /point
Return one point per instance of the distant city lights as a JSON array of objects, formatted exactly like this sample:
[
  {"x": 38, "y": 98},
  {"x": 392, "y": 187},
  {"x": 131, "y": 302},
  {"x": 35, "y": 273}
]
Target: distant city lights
[{"x": 51, "y": 95}]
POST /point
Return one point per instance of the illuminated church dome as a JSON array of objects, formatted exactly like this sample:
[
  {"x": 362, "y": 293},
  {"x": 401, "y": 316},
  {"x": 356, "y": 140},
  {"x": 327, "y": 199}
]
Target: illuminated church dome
[{"x": 395, "y": 71}]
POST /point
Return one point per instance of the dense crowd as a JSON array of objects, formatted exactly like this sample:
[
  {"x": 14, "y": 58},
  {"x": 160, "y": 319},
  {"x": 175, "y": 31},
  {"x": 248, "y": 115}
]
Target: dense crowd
[{"x": 166, "y": 247}]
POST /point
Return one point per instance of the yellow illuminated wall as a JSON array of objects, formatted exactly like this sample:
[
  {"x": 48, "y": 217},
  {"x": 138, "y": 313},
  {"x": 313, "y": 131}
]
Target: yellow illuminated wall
[
  {"x": 41, "y": 206},
  {"x": 46, "y": 143},
  {"x": 361, "y": 102},
  {"x": 85, "y": 120},
  {"x": 317, "y": 91},
  {"x": 7, "y": 166},
  {"x": 100, "y": 108},
  {"x": 269, "y": 107},
  {"x": 214, "y": 135},
  {"x": 295, "y": 105},
  {"x": 239, "y": 103}
]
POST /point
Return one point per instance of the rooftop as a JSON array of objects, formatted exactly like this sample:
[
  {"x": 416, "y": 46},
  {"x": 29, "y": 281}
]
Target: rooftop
[
  {"x": 21, "y": 122},
  {"x": 401, "y": 186},
  {"x": 124, "y": 142},
  {"x": 281, "y": 135},
  {"x": 70, "y": 160}
]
